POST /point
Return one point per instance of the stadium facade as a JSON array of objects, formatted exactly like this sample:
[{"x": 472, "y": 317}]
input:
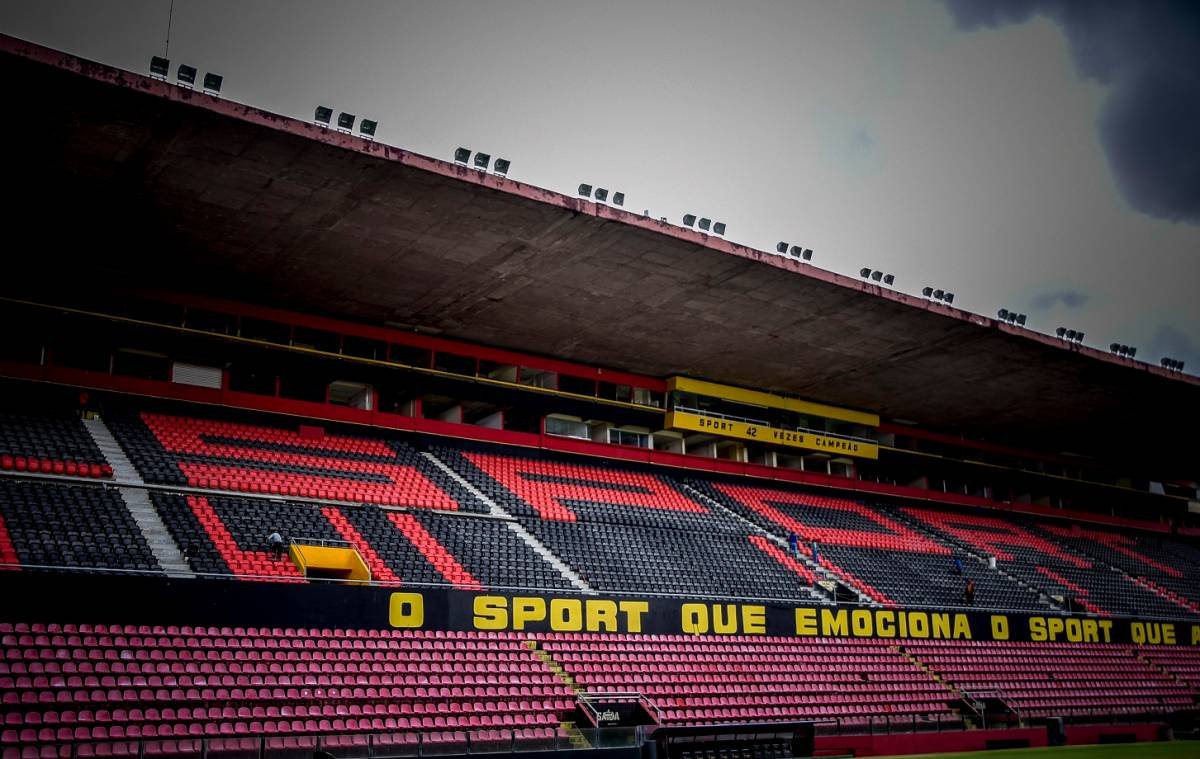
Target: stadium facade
[{"x": 548, "y": 474}]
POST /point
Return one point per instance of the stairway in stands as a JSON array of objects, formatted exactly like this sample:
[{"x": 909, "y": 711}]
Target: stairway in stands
[
  {"x": 818, "y": 592},
  {"x": 133, "y": 491},
  {"x": 572, "y": 730},
  {"x": 496, "y": 510}
]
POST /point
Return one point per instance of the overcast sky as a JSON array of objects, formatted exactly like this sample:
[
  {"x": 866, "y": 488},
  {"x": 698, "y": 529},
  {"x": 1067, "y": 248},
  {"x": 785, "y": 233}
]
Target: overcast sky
[{"x": 1021, "y": 154}]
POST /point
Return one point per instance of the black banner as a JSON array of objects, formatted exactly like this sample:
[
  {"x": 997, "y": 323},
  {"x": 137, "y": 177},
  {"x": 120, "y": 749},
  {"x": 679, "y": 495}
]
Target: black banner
[{"x": 165, "y": 601}]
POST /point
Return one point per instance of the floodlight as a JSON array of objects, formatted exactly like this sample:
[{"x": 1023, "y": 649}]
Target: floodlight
[
  {"x": 719, "y": 228},
  {"x": 689, "y": 219},
  {"x": 889, "y": 279},
  {"x": 1060, "y": 331},
  {"x": 705, "y": 224},
  {"x": 462, "y": 155},
  {"x": 876, "y": 275},
  {"x": 807, "y": 255},
  {"x": 939, "y": 294},
  {"x": 781, "y": 247},
  {"x": 1002, "y": 314},
  {"x": 585, "y": 190},
  {"x": 482, "y": 160},
  {"x": 159, "y": 66},
  {"x": 1079, "y": 337},
  {"x": 345, "y": 120},
  {"x": 618, "y": 199},
  {"x": 367, "y": 127},
  {"x": 1021, "y": 319},
  {"x": 501, "y": 166},
  {"x": 212, "y": 82},
  {"x": 864, "y": 272},
  {"x": 796, "y": 251},
  {"x": 1132, "y": 351},
  {"x": 948, "y": 297},
  {"x": 186, "y": 74},
  {"x": 601, "y": 194},
  {"x": 928, "y": 292},
  {"x": 1114, "y": 347},
  {"x": 323, "y": 115}
]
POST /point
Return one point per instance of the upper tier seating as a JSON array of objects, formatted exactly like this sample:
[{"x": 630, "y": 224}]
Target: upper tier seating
[
  {"x": 869, "y": 548},
  {"x": 304, "y": 463},
  {"x": 706, "y": 679},
  {"x": 49, "y": 443},
  {"x": 1044, "y": 563},
  {"x": 59, "y": 525},
  {"x": 1053, "y": 679},
  {"x": 1171, "y": 566},
  {"x": 226, "y": 535},
  {"x": 69, "y": 683},
  {"x": 624, "y": 529}
]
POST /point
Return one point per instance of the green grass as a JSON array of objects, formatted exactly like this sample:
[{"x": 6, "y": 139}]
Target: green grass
[{"x": 1173, "y": 750}]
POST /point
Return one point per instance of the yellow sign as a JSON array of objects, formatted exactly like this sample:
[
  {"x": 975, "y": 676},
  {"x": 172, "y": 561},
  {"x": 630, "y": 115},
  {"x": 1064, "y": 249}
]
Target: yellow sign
[
  {"x": 770, "y": 400},
  {"x": 678, "y": 420}
]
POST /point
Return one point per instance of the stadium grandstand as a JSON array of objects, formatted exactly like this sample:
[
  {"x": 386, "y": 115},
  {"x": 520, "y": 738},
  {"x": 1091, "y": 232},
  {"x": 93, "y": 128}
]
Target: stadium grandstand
[{"x": 547, "y": 475}]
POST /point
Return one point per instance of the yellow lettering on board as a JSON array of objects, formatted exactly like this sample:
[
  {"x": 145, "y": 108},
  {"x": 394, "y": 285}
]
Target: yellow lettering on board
[
  {"x": 406, "y": 610},
  {"x": 491, "y": 613}
]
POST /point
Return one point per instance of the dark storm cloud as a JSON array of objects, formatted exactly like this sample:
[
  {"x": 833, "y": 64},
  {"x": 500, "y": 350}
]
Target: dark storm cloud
[
  {"x": 1148, "y": 53},
  {"x": 1069, "y": 298}
]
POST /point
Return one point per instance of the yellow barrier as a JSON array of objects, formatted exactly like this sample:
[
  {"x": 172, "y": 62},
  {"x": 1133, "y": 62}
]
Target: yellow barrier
[{"x": 330, "y": 561}]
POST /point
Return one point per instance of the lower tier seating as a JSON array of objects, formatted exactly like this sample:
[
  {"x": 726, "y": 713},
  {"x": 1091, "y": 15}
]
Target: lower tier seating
[
  {"x": 58, "y": 525},
  {"x": 707, "y": 679},
  {"x": 72, "y": 683},
  {"x": 1058, "y": 679}
]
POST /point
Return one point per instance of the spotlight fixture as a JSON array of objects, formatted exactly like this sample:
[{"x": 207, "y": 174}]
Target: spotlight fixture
[
  {"x": 618, "y": 198},
  {"x": 213, "y": 82},
  {"x": 1070, "y": 335},
  {"x": 601, "y": 195},
  {"x": 928, "y": 293},
  {"x": 781, "y": 247},
  {"x": 323, "y": 115},
  {"x": 719, "y": 228},
  {"x": 159, "y": 66},
  {"x": 462, "y": 155},
  {"x": 482, "y": 161},
  {"x": 345, "y": 121},
  {"x": 1012, "y": 317},
  {"x": 585, "y": 190},
  {"x": 705, "y": 223},
  {"x": 876, "y": 275},
  {"x": 501, "y": 166},
  {"x": 186, "y": 74},
  {"x": 367, "y": 127}
]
